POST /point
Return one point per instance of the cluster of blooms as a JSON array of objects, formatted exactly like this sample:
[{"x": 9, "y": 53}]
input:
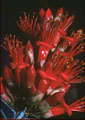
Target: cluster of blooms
[{"x": 42, "y": 88}]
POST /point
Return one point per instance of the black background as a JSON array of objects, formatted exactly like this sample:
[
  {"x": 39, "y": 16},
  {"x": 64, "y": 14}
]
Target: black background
[{"x": 12, "y": 9}]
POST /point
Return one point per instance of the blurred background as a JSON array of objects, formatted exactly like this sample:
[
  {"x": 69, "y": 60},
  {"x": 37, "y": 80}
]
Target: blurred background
[{"x": 12, "y": 9}]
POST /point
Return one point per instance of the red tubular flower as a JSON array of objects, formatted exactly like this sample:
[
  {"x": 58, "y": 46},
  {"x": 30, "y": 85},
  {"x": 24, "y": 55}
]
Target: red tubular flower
[
  {"x": 42, "y": 87},
  {"x": 45, "y": 81},
  {"x": 57, "y": 35},
  {"x": 31, "y": 74},
  {"x": 27, "y": 77},
  {"x": 42, "y": 13},
  {"x": 29, "y": 54},
  {"x": 8, "y": 76},
  {"x": 3, "y": 94},
  {"x": 58, "y": 110},
  {"x": 58, "y": 16}
]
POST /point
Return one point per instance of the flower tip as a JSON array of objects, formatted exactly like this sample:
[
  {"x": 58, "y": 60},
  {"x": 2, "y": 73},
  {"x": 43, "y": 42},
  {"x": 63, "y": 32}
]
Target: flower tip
[
  {"x": 42, "y": 12},
  {"x": 60, "y": 11},
  {"x": 48, "y": 13}
]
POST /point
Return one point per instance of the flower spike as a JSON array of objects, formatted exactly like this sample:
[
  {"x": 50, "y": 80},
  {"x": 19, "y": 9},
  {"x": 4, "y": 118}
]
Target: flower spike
[{"x": 40, "y": 81}]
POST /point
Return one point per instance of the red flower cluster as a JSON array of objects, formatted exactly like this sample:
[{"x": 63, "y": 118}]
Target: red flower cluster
[{"x": 57, "y": 66}]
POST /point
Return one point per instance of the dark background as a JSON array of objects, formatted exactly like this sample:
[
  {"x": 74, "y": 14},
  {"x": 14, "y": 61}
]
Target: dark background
[{"x": 12, "y": 9}]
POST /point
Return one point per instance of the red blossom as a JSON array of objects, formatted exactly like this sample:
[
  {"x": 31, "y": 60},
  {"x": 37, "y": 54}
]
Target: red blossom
[{"x": 54, "y": 70}]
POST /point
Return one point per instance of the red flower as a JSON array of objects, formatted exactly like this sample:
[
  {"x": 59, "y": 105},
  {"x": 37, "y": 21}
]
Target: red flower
[{"x": 57, "y": 69}]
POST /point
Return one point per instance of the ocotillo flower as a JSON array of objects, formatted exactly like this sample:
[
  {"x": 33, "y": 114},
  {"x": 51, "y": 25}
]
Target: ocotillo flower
[
  {"x": 3, "y": 93},
  {"x": 30, "y": 78},
  {"x": 29, "y": 53},
  {"x": 78, "y": 106}
]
